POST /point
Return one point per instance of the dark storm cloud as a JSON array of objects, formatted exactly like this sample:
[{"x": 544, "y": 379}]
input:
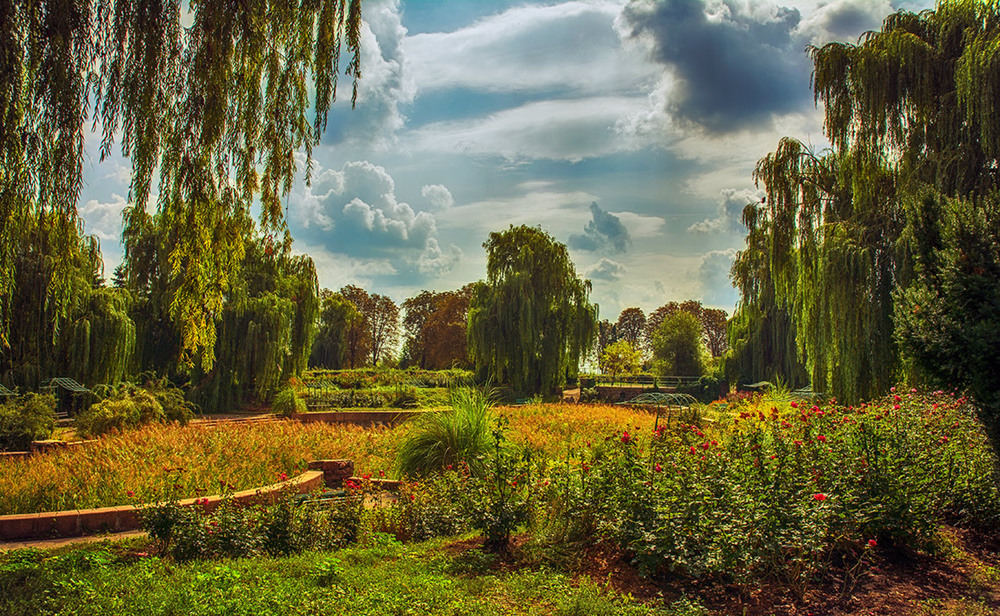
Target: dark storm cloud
[
  {"x": 604, "y": 232},
  {"x": 735, "y": 68}
]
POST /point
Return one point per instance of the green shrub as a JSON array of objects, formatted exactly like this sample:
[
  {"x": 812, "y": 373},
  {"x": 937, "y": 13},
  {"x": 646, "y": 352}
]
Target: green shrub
[
  {"x": 137, "y": 407},
  {"x": 449, "y": 438},
  {"x": 29, "y": 418},
  {"x": 235, "y": 530},
  {"x": 171, "y": 398},
  {"x": 287, "y": 402}
]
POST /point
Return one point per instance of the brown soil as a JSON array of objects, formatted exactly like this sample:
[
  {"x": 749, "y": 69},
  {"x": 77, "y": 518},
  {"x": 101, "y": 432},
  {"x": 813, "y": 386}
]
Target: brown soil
[{"x": 964, "y": 580}]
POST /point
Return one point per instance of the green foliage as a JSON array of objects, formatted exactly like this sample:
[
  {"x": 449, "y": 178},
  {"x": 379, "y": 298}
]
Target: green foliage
[
  {"x": 29, "y": 418},
  {"x": 233, "y": 530},
  {"x": 948, "y": 320},
  {"x": 129, "y": 409},
  {"x": 784, "y": 488},
  {"x": 372, "y": 578},
  {"x": 620, "y": 359},
  {"x": 336, "y": 317},
  {"x": 502, "y": 496},
  {"x": 217, "y": 106},
  {"x": 449, "y": 438},
  {"x": 706, "y": 390},
  {"x": 128, "y": 406},
  {"x": 287, "y": 403},
  {"x": 907, "y": 108},
  {"x": 677, "y": 346},
  {"x": 530, "y": 322}
]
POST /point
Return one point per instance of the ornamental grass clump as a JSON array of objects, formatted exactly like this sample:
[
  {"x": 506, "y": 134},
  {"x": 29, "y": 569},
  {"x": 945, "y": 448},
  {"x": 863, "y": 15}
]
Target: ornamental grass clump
[{"x": 449, "y": 438}]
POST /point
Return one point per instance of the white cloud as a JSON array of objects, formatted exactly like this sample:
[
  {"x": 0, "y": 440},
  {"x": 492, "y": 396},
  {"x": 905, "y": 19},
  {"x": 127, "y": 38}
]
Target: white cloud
[
  {"x": 104, "y": 219},
  {"x": 438, "y": 195},
  {"x": 556, "y": 212},
  {"x": 729, "y": 218},
  {"x": 569, "y": 46},
  {"x": 641, "y": 225},
  {"x": 570, "y": 130},
  {"x": 605, "y": 269},
  {"x": 386, "y": 84},
  {"x": 435, "y": 262}
]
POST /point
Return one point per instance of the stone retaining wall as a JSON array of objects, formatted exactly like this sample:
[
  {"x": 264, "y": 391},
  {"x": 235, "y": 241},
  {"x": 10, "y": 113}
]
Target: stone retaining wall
[{"x": 78, "y": 522}]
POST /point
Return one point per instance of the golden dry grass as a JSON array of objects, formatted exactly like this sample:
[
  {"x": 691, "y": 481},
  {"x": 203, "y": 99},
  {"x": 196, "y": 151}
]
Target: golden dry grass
[{"x": 156, "y": 460}]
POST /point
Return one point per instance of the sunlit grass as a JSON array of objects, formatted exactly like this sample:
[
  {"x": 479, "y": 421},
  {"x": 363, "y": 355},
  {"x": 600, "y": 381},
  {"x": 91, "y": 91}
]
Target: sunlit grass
[{"x": 155, "y": 460}]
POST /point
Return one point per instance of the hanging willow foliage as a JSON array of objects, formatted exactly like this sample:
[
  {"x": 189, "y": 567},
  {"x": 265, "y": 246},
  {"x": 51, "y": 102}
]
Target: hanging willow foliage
[
  {"x": 531, "y": 321},
  {"x": 266, "y": 330},
  {"x": 909, "y": 106},
  {"x": 69, "y": 326},
  {"x": 217, "y": 108}
]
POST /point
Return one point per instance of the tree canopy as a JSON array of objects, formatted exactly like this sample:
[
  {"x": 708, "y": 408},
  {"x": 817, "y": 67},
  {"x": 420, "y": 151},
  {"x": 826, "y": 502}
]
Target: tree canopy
[
  {"x": 869, "y": 262},
  {"x": 209, "y": 114},
  {"x": 530, "y": 321}
]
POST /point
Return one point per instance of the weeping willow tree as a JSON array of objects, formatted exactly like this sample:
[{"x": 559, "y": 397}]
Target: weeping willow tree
[
  {"x": 909, "y": 108},
  {"x": 818, "y": 274},
  {"x": 67, "y": 324},
  {"x": 531, "y": 321},
  {"x": 263, "y": 335},
  {"x": 210, "y": 115}
]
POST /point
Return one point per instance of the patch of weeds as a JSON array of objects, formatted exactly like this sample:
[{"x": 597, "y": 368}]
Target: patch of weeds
[
  {"x": 954, "y": 607},
  {"x": 472, "y": 562}
]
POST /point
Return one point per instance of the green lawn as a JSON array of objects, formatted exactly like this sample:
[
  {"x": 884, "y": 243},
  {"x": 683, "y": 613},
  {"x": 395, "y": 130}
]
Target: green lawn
[{"x": 383, "y": 577}]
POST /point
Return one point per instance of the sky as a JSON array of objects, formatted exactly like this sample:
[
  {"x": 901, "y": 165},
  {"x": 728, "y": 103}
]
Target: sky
[{"x": 627, "y": 129}]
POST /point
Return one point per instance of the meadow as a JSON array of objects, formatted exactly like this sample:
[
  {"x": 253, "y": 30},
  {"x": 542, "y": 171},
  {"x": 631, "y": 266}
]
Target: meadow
[{"x": 157, "y": 460}]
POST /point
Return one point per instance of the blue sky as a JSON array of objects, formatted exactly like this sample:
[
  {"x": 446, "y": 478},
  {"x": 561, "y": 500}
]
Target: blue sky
[{"x": 628, "y": 129}]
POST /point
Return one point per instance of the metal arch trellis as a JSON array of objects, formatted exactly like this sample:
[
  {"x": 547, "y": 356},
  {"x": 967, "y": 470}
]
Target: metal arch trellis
[
  {"x": 4, "y": 392},
  {"x": 660, "y": 401},
  {"x": 65, "y": 383}
]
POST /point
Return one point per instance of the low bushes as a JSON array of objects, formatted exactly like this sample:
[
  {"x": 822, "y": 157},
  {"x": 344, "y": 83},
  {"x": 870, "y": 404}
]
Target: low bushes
[
  {"x": 234, "y": 530},
  {"x": 130, "y": 406},
  {"x": 29, "y": 418},
  {"x": 287, "y": 402}
]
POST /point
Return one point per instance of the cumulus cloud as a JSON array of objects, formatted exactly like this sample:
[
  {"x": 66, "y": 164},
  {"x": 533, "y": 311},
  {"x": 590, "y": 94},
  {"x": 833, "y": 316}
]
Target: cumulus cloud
[
  {"x": 605, "y": 269},
  {"x": 386, "y": 84},
  {"x": 354, "y": 211},
  {"x": 104, "y": 219},
  {"x": 438, "y": 195},
  {"x": 434, "y": 262},
  {"x": 729, "y": 218},
  {"x": 843, "y": 20},
  {"x": 605, "y": 232},
  {"x": 735, "y": 64},
  {"x": 567, "y": 45}
]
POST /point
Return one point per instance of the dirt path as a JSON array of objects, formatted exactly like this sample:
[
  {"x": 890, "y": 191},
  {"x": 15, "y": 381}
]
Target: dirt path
[{"x": 48, "y": 544}]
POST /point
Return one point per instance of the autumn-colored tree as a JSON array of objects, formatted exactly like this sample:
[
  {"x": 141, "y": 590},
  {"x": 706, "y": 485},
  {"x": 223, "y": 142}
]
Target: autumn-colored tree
[
  {"x": 382, "y": 316},
  {"x": 358, "y": 337},
  {"x": 447, "y": 330},
  {"x": 658, "y": 316},
  {"x": 631, "y": 327},
  {"x": 714, "y": 323},
  {"x": 417, "y": 310}
]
